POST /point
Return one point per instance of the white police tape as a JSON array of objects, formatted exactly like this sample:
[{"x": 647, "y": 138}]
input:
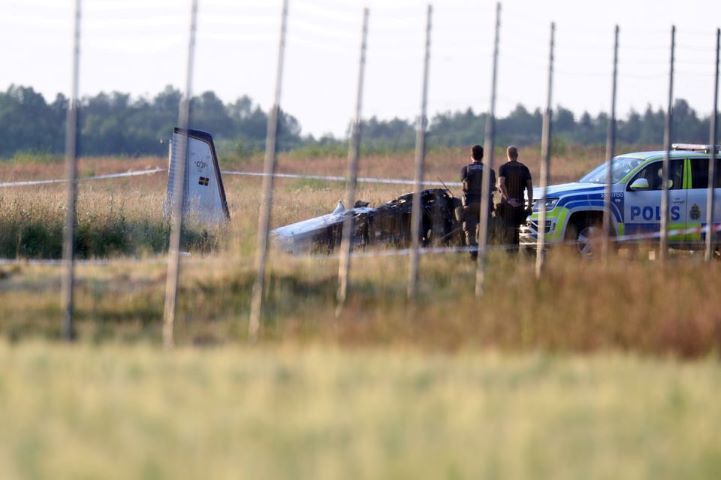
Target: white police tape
[
  {"x": 327, "y": 178},
  {"x": 338, "y": 178},
  {"x": 130, "y": 173},
  {"x": 378, "y": 180}
]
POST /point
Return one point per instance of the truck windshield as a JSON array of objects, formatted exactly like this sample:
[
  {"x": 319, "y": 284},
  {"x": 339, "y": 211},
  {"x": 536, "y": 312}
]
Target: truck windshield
[{"x": 621, "y": 167}]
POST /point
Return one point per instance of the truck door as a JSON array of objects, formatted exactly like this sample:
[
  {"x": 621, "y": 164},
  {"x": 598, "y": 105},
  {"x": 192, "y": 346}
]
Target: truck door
[
  {"x": 642, "y": 205},
  {"x": 697, "y": 185}
]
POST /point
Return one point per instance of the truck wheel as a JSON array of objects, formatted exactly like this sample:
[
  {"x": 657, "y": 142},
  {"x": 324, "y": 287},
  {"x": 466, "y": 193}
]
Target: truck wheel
[
  {"x": 585, "y": 238},
  {"x": 588, "y": 240}
]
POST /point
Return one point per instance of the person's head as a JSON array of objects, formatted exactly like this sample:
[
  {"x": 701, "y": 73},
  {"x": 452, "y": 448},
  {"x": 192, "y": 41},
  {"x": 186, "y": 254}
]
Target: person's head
[
  {"x": 477, "y": 153},
  {"x": 512, "y": 153}
]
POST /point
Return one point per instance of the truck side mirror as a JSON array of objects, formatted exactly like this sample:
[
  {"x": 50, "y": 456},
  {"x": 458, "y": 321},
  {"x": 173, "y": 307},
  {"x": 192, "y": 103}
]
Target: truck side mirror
[{"x": 639, "y": 184}]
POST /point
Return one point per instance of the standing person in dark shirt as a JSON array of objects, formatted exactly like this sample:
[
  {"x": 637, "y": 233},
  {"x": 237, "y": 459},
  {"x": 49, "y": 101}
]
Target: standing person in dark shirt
[
  {"x": 513, "y": 178},
  {"x": 472, "y": 178}
]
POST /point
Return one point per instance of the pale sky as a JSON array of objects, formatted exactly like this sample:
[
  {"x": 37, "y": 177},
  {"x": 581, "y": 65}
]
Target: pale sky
[{"x": 139, "y": 46}]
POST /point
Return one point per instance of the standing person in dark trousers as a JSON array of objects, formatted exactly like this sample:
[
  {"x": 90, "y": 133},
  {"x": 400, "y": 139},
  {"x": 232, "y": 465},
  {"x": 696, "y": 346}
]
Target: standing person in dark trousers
[
  {"x": 513, "y": 178},
  {"x": 472, "y": 178}
]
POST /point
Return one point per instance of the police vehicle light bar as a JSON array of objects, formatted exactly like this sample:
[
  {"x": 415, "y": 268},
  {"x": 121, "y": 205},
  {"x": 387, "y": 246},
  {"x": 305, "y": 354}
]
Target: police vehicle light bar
[{"x": 693, "y": 147}]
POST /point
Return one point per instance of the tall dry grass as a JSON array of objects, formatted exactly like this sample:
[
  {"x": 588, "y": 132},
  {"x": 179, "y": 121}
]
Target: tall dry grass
[
  {"x": 369, "y": 394},
  {"x": 124, "y": 216},
  {"x": 578, "y": 306},
  {"x": 444, "y": 163}
]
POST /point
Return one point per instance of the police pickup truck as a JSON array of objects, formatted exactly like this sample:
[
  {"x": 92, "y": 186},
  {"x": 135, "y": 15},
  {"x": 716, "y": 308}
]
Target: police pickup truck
[{"x": 574, "y": 211}]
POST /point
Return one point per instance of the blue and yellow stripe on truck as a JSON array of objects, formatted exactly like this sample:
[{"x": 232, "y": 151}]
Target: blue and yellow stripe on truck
[
  {"x": 592, "y": 201},
  {"x": 691, "y": 237},
  {"x": 586, "y": 200}
]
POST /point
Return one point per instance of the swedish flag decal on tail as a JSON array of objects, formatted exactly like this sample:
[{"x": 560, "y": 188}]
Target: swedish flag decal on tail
[{"x": 204, "y": 193}]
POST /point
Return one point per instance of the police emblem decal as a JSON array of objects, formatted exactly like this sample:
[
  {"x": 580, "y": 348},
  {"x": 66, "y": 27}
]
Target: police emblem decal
[
  {"x": 203, "y": 181},
  {"x": 695, "y": 212}
]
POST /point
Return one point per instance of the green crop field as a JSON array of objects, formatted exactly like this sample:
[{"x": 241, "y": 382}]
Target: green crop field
[{"x": 593, "y": 372}]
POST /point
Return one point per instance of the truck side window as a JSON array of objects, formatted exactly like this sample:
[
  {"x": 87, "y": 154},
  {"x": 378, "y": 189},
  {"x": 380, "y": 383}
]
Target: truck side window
[
  {"x": 654, "y": 174},
  {"x": 699, "y": 173}
]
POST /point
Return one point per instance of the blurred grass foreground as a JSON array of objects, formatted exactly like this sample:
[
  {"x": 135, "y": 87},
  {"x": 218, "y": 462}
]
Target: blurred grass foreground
[{"x": 136, "y": 412}]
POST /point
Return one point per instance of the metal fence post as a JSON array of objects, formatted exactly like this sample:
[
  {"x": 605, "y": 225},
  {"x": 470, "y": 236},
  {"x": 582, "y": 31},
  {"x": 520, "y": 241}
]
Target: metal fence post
[
  {"x": 416, "y": 214},
  {"x": 486, "y": 190},
  {"x": 266, "y": 205},
  {"x": 545, "y": 162},
  {"x": 71, "y": 172},
  {"x": 176, "y": 220},
  {"x": 610, "y": 153},
  {"x": 351, "y": 182},
  {"x": 663, "y": 248},
  {"x": 710, "y": 200}
]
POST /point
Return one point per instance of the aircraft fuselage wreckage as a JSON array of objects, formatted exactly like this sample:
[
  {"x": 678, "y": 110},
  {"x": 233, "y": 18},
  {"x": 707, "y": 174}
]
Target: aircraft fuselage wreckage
[{"x": 388, "y": 225}]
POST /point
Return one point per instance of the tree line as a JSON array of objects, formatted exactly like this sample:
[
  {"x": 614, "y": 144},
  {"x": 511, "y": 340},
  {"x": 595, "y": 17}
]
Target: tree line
[{"x": 117, "y": 124}]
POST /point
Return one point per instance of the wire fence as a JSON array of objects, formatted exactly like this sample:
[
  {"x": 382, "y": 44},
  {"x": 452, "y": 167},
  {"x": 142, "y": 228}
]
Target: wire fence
[{"x": 332, "y": 28}]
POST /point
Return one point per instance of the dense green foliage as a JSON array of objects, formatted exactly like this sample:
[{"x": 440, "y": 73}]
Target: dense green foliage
[
  {"x": 112, "y": 124},
  {"x": 115, "y": 123}
]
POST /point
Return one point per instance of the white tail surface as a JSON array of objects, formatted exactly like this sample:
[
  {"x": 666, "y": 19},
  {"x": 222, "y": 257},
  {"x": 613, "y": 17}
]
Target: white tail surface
[{"x": 204, "y": 193}]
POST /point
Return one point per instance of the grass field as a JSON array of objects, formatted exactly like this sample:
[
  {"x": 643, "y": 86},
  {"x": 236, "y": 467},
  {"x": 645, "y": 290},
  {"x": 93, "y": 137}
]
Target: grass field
[
  {"x": 69, "y": 413},
  {"x": 592, "y": 372},
  {"x": 124, "y": 216},
  {"x": 579, "y": 306}
]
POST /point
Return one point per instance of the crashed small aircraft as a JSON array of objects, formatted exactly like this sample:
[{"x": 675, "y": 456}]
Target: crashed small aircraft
[{"x": 386, "y": 225}]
